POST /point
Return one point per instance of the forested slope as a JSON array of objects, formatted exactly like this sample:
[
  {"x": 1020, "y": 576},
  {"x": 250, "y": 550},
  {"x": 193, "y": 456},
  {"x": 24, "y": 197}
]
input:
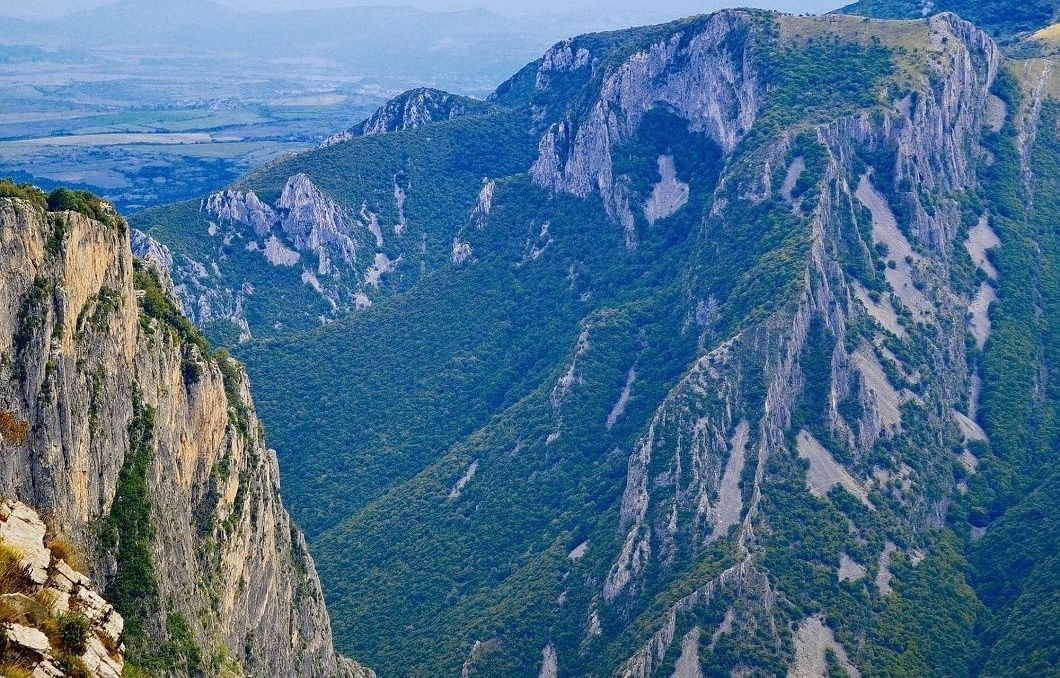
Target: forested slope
[{"x": 722, "y": 347}]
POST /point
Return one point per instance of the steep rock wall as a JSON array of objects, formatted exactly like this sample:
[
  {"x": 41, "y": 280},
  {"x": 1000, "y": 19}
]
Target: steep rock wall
[{"x": 108, "y": 392}]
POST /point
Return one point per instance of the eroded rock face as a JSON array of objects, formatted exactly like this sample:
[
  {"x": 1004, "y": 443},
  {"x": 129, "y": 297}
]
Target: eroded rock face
[
  {"x": 85, "y": 366},
  {"x": 314, "y": 222},
  {"x": 56, "y": 590},
  {"x": 305, "y": 229},
  {"x": 246, "y": 208}
]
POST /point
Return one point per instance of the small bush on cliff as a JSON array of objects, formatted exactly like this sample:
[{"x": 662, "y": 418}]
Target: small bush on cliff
[
  {"x": 72, "y": 665},
  {"x": 83, "y": 202},
  {"x": 130, "y": 670},
  {"x": 72, "y": 633},
  {"x": 13, "y": 429}
]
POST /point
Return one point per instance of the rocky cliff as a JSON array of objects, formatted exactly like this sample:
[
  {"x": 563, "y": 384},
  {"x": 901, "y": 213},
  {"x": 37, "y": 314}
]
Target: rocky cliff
[
  {"x": 415, "y": 108},
  {"x": 833, "y": 379},
  {"x": 145, "y": 452}
]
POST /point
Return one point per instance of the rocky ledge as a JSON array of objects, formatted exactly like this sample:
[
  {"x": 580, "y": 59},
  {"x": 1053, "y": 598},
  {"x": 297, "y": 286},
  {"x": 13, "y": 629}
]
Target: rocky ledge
[{"x": 54, "y": 622}]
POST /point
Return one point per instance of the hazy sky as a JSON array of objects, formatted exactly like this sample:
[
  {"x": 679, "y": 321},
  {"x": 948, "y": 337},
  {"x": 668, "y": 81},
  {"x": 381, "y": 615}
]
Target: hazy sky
[{"x": 614, "y": 8}]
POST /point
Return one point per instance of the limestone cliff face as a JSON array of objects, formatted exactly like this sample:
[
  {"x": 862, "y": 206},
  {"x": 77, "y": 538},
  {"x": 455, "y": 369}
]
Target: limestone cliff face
[
  {"x": 114, "y": 399},
  {"x": 701, "y": 74},
  {"x": 305, "y": 229}
]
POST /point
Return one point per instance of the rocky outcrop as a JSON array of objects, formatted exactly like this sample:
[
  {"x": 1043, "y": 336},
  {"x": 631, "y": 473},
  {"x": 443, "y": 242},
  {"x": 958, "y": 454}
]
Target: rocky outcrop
[
  {"x": 129, "y": 421},
  {"x": 304, "y": 228},
  {"x": 242, "y": 207},
  {"x": 313, "y": 222},
  {"x": 700, "y": 73},
  {"x": 55, "y": 622},
  {"x": 415, "y": 108}
]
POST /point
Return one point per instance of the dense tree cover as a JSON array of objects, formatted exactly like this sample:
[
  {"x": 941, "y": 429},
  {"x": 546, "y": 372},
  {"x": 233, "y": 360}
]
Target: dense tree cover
[
  {"x": 816, "y": 79},
  {"x": 1015, "y": 566},
  {"x": 63, "y": 199},
  {"x": 28, "y": 192}
]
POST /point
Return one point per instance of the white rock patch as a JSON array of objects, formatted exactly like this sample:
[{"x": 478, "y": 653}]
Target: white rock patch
[
  {"x": 669, "y": 195},
  {"x": 825, "y": 473},
  {"x": 309, "y": 279},
  {"x": 688, "y": 663},
  {"x": 623, "y": 399},
  {"x": 461, "y": 251},
  {"x": 730, "y": 499},
  {"x": 849, "y": 569},
  {"x": 371, "y": 220},
  {"x": 812, "y": 639},
  {"x": 969, "y": 429},
  {"x": 882, "y": 312},
  {"x": 875, "y": 379},
  {"x": 885, "y": 230},
  {"x": 969, "y": 461},
  {"x": 399, "y": 200},
  {"x": 996, "y": 112},
  {"x": 549, "y": 662},
  {"x": 28, "y": 637},
  {"x": 884, "y": 576},
  {"x": 480, "y": 215},
  {"x": 279, "y": 254},
  {"x": 454, "y": 493},
  {"x": 979, "y": 310},
  {"x": 795, "y": 170},
  {"x": 380, "y": 267},
  {"x": 981, "y": 239},
  {"x": 22, "y": 528}
]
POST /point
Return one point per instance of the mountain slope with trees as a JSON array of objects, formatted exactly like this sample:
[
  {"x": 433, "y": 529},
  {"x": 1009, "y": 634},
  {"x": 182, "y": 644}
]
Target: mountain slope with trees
[{"x": 721, "y": 347}]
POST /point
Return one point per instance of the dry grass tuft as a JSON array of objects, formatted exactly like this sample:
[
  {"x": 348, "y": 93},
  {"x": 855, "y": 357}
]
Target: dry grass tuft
[
  {"x": 109, "y": 643},
  {"x": 64, "y": 549},
  {"x": 14, "y": 576},
  {"x": 46, "y": 600},
  {"x": 14, "y": 671},
  {"x": 130, "y": 671},
  {"x": 11, "y": 612},
  {"x": 13, "y": 429}
]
